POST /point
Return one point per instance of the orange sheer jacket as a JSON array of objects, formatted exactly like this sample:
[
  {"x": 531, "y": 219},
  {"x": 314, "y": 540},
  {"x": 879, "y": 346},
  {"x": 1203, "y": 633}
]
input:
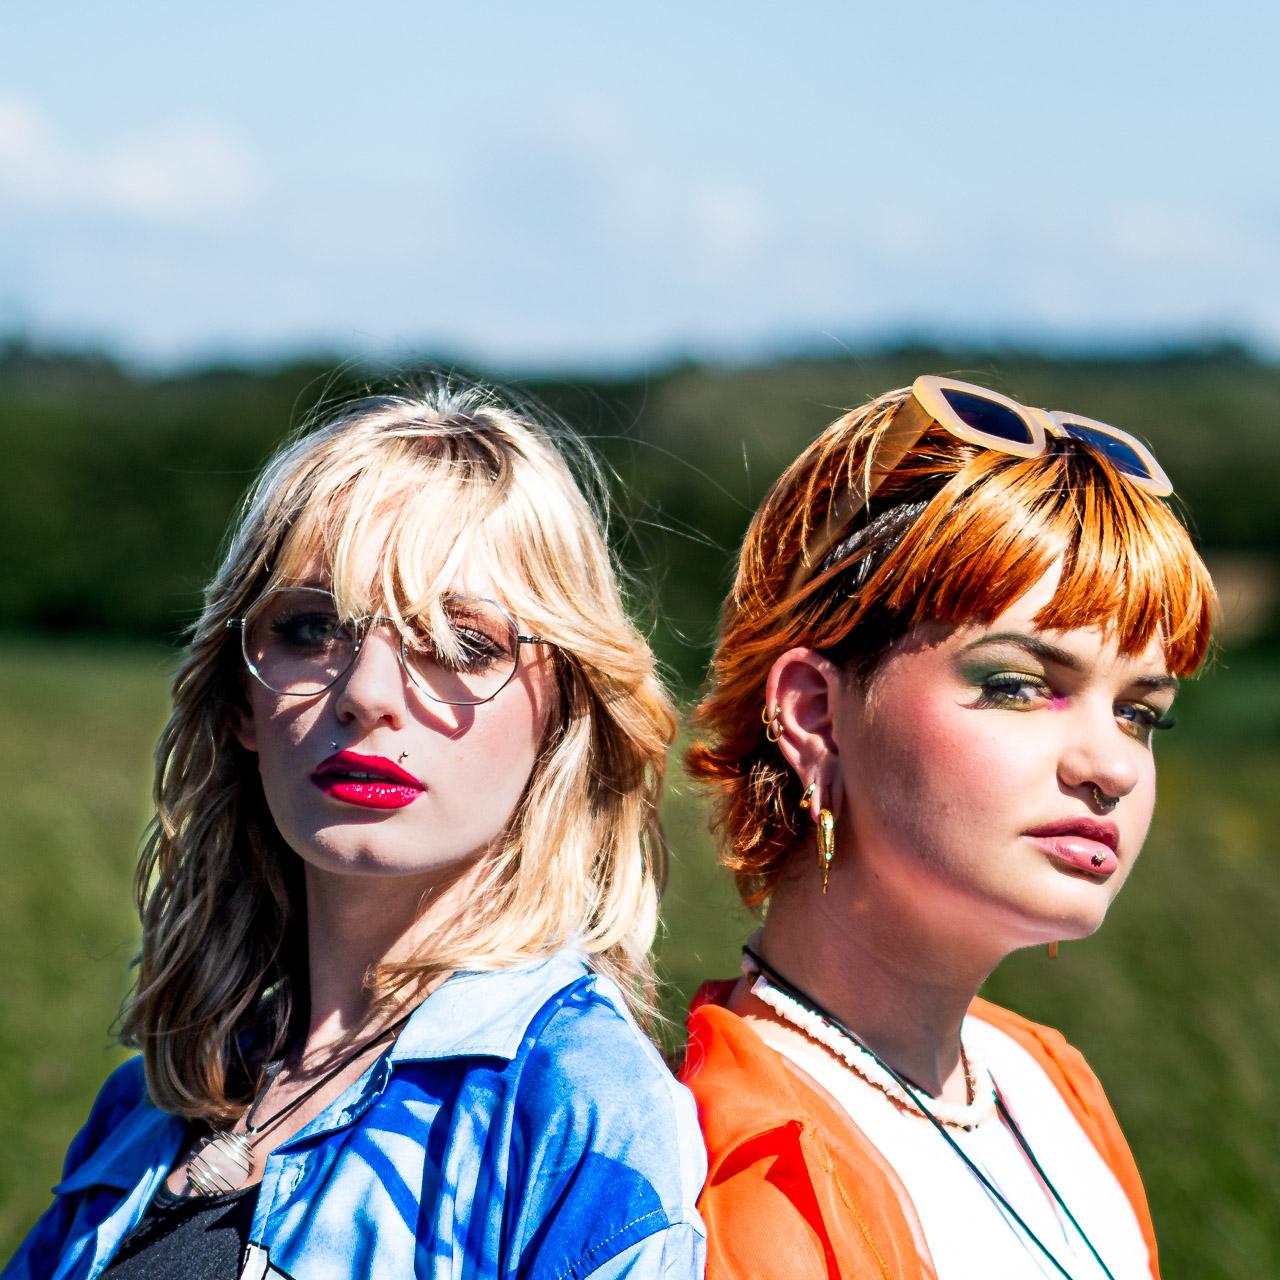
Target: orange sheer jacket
[{"x": 795, "y": 1190}]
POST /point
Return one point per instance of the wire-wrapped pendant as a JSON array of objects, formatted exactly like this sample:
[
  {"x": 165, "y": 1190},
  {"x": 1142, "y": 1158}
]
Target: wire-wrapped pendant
[{"x": 222, "y": 1163}]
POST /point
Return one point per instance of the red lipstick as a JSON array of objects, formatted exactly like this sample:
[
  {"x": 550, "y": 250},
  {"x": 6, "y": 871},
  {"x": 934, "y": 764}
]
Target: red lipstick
[
  {"x": 369, "y": 782},
  {"x": 1087, "y": 845}
]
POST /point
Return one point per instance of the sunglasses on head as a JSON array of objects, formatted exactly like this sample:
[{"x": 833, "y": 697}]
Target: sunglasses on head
[{"x": 991, "y": 421}]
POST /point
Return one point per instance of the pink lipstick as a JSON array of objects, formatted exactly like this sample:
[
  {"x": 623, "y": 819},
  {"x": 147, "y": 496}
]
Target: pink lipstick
[
  {"x": 1087, "y": 845},
  {"x": 369, "y": 782}
]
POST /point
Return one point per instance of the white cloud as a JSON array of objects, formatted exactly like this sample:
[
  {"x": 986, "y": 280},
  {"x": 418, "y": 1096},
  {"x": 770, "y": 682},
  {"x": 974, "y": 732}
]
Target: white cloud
[
  {"x": 184, "y": 172},
  {"x": 30, "y": 170}
]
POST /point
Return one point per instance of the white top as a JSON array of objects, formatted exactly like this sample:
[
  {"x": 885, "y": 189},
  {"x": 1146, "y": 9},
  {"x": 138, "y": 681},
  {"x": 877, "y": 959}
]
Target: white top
[{"x": 969, "y": 1234}]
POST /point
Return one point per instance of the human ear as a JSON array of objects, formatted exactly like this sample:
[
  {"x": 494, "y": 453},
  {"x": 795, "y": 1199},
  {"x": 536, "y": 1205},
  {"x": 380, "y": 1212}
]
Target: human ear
[
  {"x": 243, "y": 725},
  {"x": 804, "y": 688}
]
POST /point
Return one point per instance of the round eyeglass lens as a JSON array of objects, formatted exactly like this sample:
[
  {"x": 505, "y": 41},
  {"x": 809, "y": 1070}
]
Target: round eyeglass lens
[
  {"x": 471, "y": 658},
  {"x": 989, "y": 417},
  {"x": 1121, "y": 453},
  {"x": 295, "y": 642}
]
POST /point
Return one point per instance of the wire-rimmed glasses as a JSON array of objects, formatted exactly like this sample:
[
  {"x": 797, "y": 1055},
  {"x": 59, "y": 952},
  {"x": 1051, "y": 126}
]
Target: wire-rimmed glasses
[{"x": 296, "y": 643}]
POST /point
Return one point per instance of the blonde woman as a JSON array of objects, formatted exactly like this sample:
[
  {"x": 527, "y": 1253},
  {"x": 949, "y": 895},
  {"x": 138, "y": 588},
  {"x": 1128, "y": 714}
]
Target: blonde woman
[
  {"x": 398, "y": 896},
  {"x": 956, "y": 631}
]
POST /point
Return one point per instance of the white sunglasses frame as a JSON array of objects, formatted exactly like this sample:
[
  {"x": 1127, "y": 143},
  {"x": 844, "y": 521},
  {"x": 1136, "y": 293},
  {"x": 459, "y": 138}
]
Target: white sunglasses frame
[{"x": 927, "y": 405}]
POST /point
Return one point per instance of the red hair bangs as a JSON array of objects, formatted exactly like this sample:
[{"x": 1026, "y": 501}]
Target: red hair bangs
[{"x": 1127, "y": 565}]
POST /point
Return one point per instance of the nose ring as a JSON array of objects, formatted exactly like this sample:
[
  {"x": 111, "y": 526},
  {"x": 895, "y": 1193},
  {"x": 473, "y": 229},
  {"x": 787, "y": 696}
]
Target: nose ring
[{"x": 1103, "y": 802}]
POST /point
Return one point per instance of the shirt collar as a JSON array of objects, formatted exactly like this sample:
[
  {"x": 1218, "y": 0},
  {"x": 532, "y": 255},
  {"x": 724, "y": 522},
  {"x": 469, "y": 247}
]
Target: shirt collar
[
  {"x": 145, "y": 1142},
  {"x": 485, "y": 1014}
]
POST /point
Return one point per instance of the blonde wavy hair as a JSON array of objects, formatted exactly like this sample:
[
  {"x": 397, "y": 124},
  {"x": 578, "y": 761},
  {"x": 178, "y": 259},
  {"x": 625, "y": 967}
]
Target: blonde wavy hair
[{"x": 582, "y": 859}]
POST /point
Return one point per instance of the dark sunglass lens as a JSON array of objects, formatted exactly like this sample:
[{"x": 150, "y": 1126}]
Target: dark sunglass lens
[
  {"x": 987, "y": 416},
  {"x": 1121, "y": 453}
]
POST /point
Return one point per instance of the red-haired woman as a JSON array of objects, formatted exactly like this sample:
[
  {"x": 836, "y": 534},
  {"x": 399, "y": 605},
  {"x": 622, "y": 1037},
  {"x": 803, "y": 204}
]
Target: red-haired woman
[{"x": 957, "y": 625}]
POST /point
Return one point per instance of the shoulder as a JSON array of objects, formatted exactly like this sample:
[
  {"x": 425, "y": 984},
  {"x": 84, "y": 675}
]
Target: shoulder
[
  {"x": 605, "y": 1142},
  {"x": 123, "y": 1092},
  {"x": 88, "y": 1164},
  {"x": 590, "y": 1072},
  {"x": 1083, "y": 1094},
  {"x": 795, "y": 1188},
  {"x": 1064, "y": 1064},
  {"x": 741, "y": 1085}
]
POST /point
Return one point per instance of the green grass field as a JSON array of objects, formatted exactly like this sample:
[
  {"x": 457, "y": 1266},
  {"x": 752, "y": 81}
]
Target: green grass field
[{"x": 1176, "y": 1002}]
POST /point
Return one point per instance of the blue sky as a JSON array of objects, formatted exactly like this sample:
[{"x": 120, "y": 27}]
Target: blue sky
[{"x": 592, "y": 184}]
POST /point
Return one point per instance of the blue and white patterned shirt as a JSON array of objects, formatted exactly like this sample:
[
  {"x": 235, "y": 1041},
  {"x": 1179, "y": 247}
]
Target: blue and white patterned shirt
[{"x": 520, "y": 1128}]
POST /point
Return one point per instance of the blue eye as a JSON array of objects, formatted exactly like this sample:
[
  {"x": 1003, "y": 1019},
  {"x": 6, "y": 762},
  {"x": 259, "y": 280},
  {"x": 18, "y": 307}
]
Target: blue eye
[
  {"x": 1140, "y": 720},
  {"x": 305, "y": 630}
]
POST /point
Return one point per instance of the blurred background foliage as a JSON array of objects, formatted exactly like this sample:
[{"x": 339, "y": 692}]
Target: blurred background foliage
[{"x": 115, "y": 493}]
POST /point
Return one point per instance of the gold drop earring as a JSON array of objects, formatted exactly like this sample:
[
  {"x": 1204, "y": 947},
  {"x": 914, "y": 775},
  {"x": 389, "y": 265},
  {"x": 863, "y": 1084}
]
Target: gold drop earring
[{"x": 826, "y": 845}]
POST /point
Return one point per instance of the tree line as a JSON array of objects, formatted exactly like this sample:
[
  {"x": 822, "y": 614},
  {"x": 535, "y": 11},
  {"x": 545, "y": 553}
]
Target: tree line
[{"x": 116, "y": 487}]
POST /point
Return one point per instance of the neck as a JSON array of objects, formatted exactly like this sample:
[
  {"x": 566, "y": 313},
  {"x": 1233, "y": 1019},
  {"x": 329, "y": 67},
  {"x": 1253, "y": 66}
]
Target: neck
[
  {"x": 895, "y": 979},
  {"x": 355, "y": 924}
]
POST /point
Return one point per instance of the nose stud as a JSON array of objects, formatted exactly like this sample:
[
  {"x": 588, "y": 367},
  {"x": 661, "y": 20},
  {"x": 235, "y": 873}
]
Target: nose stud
[{"x": 1103, "y": 802}]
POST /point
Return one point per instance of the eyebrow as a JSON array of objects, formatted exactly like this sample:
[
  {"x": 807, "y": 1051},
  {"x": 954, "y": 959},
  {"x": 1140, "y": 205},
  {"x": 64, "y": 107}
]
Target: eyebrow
[{"x": 1047, "y": 652}]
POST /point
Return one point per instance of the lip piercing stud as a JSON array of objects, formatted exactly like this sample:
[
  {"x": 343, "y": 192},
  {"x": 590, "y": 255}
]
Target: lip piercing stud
[
  {"x": 404, "y": 755},
  {"x": 334, "y": 745}
]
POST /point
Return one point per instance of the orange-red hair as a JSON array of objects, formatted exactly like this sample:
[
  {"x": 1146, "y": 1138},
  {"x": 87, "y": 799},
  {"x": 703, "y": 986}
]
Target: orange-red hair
[{"x": 953, "y": 534}]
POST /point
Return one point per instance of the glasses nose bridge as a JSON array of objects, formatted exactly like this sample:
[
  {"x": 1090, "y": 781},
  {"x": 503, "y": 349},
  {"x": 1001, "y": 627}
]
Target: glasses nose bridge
[
  {"x": 1043, "y": 419},
  {"x": 361, "y": 628}
]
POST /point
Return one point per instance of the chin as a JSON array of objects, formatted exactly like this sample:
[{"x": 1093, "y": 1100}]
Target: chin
[
  {"x": 1060, "y": 912},
  {"x": 1075, "y": 920}
]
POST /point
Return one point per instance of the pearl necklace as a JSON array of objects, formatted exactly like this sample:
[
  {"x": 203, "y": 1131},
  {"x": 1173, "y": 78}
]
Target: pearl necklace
[{"x": 965, "y": 1116}]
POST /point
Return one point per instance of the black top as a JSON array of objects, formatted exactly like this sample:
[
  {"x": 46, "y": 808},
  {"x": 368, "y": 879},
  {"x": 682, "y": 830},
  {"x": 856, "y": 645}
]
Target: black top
[{"x": 187, "y": 1238}]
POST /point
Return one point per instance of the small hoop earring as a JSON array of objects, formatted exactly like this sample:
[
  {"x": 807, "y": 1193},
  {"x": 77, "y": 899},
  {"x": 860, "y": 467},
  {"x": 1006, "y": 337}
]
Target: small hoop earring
[
  {"x": 1103, "y": 802},
  {"x": 808, "y": 795},
  {"x": 826, "y": 845},
  {"x": 772, "y": 723}
]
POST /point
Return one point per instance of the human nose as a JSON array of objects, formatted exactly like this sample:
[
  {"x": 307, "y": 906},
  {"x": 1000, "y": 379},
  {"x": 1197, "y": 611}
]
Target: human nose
[
  {"x": 372, "y": 691},
  {"x": 1097, "y": 754}
]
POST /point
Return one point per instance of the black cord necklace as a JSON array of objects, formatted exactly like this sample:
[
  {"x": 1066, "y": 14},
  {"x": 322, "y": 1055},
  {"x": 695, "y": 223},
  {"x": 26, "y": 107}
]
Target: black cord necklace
[
  {"x": 913, "y": 1091},
  {"x": 223, "y": 1160}
]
